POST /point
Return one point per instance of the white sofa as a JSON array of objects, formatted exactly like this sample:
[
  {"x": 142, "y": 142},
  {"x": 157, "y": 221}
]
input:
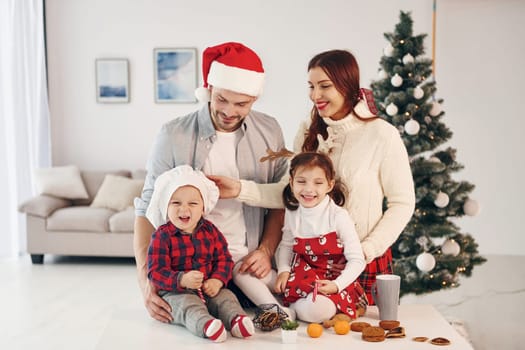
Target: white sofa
[{"x": 74, "y": 227}]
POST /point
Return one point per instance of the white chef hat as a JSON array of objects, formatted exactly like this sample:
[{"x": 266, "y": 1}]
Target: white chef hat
[{"x": 169, "y": 181}]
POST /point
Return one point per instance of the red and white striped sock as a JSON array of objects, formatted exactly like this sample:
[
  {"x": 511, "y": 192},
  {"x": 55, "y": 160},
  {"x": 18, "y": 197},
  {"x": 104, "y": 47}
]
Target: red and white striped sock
[
  {"x": 242, "y": 327},
  {"x": 215, "y": 331}
]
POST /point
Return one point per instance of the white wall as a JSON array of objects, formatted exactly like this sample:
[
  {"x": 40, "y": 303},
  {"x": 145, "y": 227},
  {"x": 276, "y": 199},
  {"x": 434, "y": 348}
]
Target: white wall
[
  {"x": 478, "y": 63},
  {"x": 480, "y": 75}
]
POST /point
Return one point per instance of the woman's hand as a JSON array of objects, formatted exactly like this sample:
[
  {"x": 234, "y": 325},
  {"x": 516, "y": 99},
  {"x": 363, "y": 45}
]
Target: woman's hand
[{"x": 228, "y": 187}]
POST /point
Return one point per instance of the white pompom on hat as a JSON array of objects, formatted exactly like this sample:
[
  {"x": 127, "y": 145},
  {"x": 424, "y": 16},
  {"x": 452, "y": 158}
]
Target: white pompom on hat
[
  {"x": 231, "y": 66},
  {"x": 169, "y": 181}
]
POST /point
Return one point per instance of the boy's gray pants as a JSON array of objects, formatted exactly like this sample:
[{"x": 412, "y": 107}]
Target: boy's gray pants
[{"x": 188, "y": 309}]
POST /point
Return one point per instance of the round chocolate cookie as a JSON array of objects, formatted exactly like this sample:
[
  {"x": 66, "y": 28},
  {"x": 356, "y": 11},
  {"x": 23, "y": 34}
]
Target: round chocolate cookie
[
  {"x": 420, "y": 339},
  {"x": 388, "y": 324},
  {"x": 373, "y": 334},
  {"x": 397, "y": 332},
  {"x": 359, "y": 326},
  {"x": 440, "y": 341}
]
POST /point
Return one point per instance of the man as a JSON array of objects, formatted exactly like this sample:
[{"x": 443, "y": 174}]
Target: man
[{"x": 224, "y": 137}]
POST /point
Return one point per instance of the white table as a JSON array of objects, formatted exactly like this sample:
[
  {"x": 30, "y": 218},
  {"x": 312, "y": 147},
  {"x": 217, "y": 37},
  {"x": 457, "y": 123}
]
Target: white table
[
  {"x": 133, "y": 329},
  {"x": 418, "y": 320}
]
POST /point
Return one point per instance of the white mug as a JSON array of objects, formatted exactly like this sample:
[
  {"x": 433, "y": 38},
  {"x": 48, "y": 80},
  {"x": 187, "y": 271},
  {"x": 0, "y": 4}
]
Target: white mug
[{"x": 385, "y": 292}]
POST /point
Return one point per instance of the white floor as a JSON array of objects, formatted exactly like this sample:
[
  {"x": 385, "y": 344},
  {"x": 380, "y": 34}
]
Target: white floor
[{"x": 88, "y": 303}]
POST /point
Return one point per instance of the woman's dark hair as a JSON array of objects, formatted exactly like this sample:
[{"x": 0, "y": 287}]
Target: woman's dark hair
[
  {"x": 342, "y": 69},
  {"x": 312, "y": 160}
]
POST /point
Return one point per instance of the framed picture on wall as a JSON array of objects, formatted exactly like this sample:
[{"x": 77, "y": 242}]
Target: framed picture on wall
[
  {"x": 175, "y": 75},
  {"x": 112, "y": 80}
]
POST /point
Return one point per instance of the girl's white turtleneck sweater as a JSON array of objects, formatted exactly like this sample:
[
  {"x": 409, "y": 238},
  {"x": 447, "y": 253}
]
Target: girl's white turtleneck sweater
[{"x": 313, "y": 222}]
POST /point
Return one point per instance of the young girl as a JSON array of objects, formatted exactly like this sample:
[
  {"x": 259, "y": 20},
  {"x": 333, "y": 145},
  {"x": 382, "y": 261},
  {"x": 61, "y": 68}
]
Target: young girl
[{"x": 318, "y": 238}]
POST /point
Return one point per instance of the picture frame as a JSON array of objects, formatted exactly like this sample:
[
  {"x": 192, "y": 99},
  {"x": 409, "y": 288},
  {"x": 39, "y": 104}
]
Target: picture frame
[
  {"x": 175, "y": 74},
  {"x": 112, "y": 80}
]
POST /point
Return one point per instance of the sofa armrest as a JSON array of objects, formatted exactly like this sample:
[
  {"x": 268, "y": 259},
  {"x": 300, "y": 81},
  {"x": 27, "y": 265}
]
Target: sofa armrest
[{"x": 43, "y": 205}]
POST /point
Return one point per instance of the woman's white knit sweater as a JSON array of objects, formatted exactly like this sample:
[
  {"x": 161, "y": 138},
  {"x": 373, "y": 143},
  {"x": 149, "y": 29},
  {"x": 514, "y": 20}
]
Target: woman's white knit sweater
[{"x": 372, "y": 161}]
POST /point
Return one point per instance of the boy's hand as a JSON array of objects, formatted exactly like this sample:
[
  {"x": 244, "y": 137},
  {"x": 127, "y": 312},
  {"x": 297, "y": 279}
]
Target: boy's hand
[
  {"x": 192, "y": 279},
  {"x": 280, "y": 283},
  {"x": 211, "y": 287}
]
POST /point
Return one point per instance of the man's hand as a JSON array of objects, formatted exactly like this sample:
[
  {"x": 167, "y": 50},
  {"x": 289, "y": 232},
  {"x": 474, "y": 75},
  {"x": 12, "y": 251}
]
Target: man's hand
[
  {"x": 192, "y": 279},
  {"x": 157, "y": 307},
  {"x": 258, "y": 263},
  {"x": 228, "y": 187},
  {"x": 212, "y": 286}
]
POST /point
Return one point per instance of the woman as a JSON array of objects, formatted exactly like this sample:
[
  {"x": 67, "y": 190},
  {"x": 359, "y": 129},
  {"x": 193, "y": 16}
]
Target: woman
[{"x": 368, "y": 154}]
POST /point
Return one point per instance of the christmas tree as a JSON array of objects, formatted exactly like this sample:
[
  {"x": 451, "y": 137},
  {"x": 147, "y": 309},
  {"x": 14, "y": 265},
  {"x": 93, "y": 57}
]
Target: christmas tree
[{"x": 431, "y": 253}]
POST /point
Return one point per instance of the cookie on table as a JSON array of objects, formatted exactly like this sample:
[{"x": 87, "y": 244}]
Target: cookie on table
[
  {"x": 373, "y": 334},
  {"x": 388, "y": 324},
  {"x": 440, "y": 341},
  {"x": 420, "y": 339},
  {"x": 359, "y": 326},
  {"x": 397, "y": 332}
]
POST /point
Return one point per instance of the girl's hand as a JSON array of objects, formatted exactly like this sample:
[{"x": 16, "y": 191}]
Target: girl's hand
[
  {"x": 211, "y": 287},
  {"x": 228, "y": 187},
  {"x": 280, "y": 283},
  {"x": 326, "y": 287}
]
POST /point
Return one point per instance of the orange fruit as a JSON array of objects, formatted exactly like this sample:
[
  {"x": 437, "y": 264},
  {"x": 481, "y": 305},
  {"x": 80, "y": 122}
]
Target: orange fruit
[
  {"x": 341, "y": 327},
  {"x": 314, "y": 330}
]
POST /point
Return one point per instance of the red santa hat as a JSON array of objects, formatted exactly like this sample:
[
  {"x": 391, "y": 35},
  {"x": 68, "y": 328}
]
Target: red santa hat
[{"x": 231, "y": 66}]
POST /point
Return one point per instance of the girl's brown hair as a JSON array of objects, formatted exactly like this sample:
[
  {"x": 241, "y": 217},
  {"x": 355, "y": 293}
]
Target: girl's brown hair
[
  {"x": 342, "y": 69},
  {"x": 312, "y": 160}
]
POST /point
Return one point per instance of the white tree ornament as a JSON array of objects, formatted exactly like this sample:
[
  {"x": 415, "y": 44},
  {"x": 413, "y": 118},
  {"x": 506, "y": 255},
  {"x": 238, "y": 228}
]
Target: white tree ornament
[
  {"x": 408, "y": 58},
  {"x": 396, "y": 80},
  {"x": 412, "y": 127},
  {"x": 388, "y": 50},
  {"x": 436, "y": 109},
  {"x": 450, "y": 247},
  {"x": 382, "y": 74},
  {"x": 391, "y": 109},
  {"x": 441, "y": 200},
  {"x": 471, "y": 207},
  {"x": 425, "y": 262},
  {"x": 418, "y": 92}
]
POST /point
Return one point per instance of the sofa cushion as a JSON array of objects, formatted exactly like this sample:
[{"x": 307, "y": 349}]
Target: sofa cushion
[
  {"x": 117, "y": 192},
  {"x": 93, "y": 180},
  {"x": 80, "y": 218},
  {"x": 43, "y": 205},
  {"x": 61, "y": 182},
  {"x": 122, "y": 221},
  {"x": 139, "y": 174}
]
